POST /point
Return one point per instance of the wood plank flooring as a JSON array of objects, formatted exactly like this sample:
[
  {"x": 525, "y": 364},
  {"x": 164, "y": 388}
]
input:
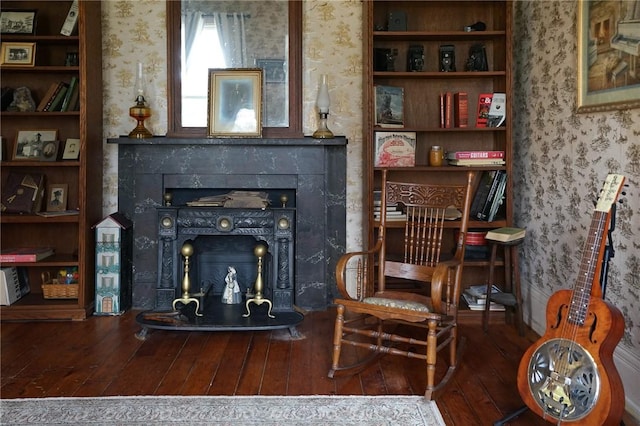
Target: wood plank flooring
[{"x": 102, "y": 357}]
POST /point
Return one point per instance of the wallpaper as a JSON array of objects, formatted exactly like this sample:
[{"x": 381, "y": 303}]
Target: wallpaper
[{"x": 561, "y": 161}]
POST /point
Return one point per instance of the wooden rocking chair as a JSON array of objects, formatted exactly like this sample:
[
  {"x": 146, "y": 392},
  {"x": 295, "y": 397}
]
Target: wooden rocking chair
[{"x": 380, "y": 312}]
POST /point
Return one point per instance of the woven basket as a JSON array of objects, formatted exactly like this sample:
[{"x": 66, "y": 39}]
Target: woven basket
[{"x": 52, "y": 289}]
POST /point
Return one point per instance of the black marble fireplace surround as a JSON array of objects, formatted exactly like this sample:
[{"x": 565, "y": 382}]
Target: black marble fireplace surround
[{"x": 311, "y": 172}]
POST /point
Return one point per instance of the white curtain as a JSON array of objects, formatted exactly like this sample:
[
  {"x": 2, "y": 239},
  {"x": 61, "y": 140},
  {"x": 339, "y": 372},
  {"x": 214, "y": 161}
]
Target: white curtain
[
  {"x": 192, "y": 24},
  {"x": 231, "y": 33}
]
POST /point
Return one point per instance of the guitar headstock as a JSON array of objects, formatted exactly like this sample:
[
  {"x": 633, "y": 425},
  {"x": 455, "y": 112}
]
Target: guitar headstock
[{"x": 609, "y": 193}]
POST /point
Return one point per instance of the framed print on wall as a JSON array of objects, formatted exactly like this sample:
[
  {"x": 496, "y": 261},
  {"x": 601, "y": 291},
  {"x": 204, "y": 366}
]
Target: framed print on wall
[
  {"x": 21, "y": 22},
  {"x": 235, "y": 103},
  {"x": 18, "y": 54},
  {"x": 608, "y": 78}
]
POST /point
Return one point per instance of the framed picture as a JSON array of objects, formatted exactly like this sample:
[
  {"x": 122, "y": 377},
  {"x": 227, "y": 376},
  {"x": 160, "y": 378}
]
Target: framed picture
[
  {"x": 18, "y": 22},
  {"x": 235, "y": 103},
  {"x": 606, "y": 69},
  {"x": 57, "y": 197},
  {"x": 274, "y": 70},
  {"x": 18, "y": 54},
  {"x": 71, "y": 149},
  {"x": 50, "y": 151},
  {"x": 30, "y": 143}
]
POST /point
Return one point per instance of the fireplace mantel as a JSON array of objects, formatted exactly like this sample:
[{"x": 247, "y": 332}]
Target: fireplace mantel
[{"x": 314, "y": 169}]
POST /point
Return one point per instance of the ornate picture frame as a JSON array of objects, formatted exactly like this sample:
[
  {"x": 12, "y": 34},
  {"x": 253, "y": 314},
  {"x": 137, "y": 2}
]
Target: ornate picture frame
[
  {"x": 606, "y": 80},
  {"x": 235, "y": 102}
]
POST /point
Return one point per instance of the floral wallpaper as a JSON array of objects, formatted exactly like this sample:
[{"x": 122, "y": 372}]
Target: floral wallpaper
[{"x": 561, "y": 159}]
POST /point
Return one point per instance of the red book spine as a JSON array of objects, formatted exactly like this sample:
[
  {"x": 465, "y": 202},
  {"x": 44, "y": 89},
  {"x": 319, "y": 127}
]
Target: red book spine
[
  {"x": 461, "y": 109},
  {"x": 448, "y": 110},
  {"x": 484, "y": 105},
  {"x": 441, "y": 110}
]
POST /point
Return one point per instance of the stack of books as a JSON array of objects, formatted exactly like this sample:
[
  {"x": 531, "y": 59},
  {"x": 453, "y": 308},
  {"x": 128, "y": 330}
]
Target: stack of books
[
  {"x": 395, "y": 211},
  {"x": 476, "y": 298},
  {"x": 61, "y": 96}
]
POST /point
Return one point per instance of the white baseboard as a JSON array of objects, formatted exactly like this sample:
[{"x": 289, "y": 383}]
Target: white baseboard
[{"x": 627, "y": 362}]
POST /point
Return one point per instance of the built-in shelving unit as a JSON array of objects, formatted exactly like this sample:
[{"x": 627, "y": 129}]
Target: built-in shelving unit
[
  {"x": 70, "y": 236},
  {"x": 430, "y": 24}
]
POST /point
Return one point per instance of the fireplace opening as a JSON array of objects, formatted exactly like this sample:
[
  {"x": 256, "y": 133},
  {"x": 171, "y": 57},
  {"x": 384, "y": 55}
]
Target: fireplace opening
[
  {"x": 212, "y": 257},
  {"x": 183, "y": 196}
]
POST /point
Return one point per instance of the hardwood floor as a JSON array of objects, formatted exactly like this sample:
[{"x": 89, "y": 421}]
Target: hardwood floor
[{"x": 101, "y": 356}]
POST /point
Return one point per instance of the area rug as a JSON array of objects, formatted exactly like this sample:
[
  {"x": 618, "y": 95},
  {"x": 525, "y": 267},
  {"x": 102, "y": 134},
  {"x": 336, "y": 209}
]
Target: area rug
[{"x": 221, "y": 410}]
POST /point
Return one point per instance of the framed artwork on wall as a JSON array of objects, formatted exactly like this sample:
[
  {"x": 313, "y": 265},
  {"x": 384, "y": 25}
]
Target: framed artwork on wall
[
  {"x": 235, "y": 103},
  {"x": 608, "y": 78}
]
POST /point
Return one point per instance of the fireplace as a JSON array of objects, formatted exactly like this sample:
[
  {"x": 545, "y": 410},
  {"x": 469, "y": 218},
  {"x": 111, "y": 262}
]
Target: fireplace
[{"x": 310, "y": 172}]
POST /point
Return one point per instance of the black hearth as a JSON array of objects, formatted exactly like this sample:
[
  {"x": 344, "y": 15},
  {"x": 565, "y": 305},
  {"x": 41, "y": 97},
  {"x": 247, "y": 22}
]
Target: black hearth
[{"x": 311, "y": 172}]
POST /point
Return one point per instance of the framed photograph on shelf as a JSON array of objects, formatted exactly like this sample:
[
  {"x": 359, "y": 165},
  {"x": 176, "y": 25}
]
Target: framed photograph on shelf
[
  {"x": 275, "y": 70},
  {"x": 21, "y": 22},
  {"x": 30, "y": 143},
  {"x": 71, "y": 149},
  {"x": 389, "y": 106},
  {"x": 18, "y": 54},
  {"x": 50, "y": 151},
  {"x": 235, "y": 103},
  {"x": 57, "y": 197},
  {"x": 606, "y": 77}
]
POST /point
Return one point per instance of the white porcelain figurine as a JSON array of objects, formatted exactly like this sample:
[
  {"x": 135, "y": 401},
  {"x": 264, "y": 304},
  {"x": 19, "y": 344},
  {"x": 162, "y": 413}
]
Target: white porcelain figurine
[{"x": 231, "y": 294}]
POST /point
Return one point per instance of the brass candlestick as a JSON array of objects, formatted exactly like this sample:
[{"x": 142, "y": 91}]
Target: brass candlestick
[
  {"x": 258, "y": 298},
  {"x": 187, "y": 252}
]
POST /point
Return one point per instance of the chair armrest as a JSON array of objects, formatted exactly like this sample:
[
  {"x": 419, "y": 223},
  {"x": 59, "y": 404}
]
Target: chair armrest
[
  {"x": 342, "y": 268},
  {"x": 443, "y": 274}
]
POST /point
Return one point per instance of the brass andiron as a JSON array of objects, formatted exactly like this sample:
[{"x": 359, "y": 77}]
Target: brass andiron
[
  {"x": 187, "y": 252},
  {"x": 258, "y": 299}
]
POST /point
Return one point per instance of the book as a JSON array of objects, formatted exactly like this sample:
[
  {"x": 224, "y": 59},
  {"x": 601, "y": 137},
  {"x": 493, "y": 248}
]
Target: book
[
  {"x": 498, "y": 197},
  {"x": 57, "y": 101},
  {"x": 49, "y": 95},
  {"x": 506, "y": 234},
  {"x": 71, "y": 21},
  {"x": 461, "y": 109},
  {"x": 469, "y": 155},
  {"x": 25, "y": 254},
  {"x": 73, "y": 86},
  {"x": 483, "y": 198},
  {"x": 448, "y": 110},
  {"x": 389, "y": 106},
  {"x": 52, "y": 97},
  {"x": 395, "y": 149},
  {"x": 14, "y": 284},
  {"x": 484, "y": 105},
  {"x": 74, "y": 101},
  {"x": 477, "y": 162},
  {"x": 60, "y": 213},
  {"x": 475, "y": 306},
  {"x": 22, "y": 192},
  {"x": 498, "y": 110}
]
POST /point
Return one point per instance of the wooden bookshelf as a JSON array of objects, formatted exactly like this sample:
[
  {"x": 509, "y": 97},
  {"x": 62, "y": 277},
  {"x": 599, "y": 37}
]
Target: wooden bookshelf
[{"x": 70, "y": 236}]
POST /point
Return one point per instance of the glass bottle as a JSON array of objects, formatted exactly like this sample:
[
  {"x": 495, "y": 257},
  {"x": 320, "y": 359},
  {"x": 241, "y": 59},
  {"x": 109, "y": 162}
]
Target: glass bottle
[{"x": 435, "y": 156}]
